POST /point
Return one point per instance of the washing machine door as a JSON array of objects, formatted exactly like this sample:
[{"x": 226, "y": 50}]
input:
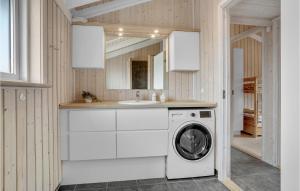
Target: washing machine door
[{"x": 193, "y": 141}]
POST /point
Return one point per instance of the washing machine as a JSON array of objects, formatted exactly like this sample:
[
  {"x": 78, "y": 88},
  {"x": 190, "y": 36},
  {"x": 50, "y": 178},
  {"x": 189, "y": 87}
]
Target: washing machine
[{"x": 191, "y": 143}]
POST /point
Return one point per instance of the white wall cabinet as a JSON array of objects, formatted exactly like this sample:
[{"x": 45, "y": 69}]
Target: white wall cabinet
[
  {"x": 88, "y": 47},
  {"x": 184, "y": 51}
]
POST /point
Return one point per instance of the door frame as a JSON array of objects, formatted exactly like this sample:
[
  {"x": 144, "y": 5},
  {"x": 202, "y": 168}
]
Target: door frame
[{"x": 224, "y": 122}]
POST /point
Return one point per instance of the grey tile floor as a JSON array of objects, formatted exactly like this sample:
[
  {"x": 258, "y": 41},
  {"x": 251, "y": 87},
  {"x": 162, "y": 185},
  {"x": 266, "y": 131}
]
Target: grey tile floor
[
  {"x": 252, "y": 174},
  {"x": 161, "y": 184}
]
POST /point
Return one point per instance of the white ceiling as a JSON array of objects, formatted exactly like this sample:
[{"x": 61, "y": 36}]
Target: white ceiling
[{"x": 258, "y": 9}]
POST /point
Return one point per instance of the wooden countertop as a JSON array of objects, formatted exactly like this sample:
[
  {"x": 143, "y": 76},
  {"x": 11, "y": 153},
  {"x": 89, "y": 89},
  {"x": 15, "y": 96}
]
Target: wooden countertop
[{"x": 116, "y": 105}]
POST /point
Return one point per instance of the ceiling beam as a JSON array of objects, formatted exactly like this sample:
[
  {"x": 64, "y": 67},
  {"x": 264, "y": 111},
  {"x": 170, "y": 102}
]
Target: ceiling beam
[
  {"x": 106, "y": 8},
  {"x": 229, "y": 3},
  {"x": 132, "y": 48},
  {"x": 246, "y": 34},
  {"x": 251, "y": 21},
  {"x": 71, "y": 4},
  {"x": 256, "y": 37}
]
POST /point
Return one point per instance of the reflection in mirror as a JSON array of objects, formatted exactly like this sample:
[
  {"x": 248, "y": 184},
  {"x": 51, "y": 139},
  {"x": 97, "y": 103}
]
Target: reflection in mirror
[{"x": 135, "y": 63}]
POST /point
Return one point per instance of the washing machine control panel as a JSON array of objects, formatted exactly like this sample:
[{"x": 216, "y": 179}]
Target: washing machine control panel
[{"x": 205, "y": 114}]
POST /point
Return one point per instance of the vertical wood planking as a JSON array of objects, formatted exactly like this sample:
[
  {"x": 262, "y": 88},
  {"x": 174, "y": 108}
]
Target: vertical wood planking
[
  {"x": 30, "y": 141},
  {"x": 1, "y": 140},
  {"x": 51, "y": 54},
  {"x": 21, "y": 140},
  {"x": 10, "y": 140},
  {"x": 38, "y": 139},
  {"x": 45, "y": 138},
  {"x": 29, "y": 158},
  {"x": 55, "y": 93}
]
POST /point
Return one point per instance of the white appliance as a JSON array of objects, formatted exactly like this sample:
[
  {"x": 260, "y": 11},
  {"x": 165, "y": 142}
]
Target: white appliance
[{"x": 191, "y": 143}]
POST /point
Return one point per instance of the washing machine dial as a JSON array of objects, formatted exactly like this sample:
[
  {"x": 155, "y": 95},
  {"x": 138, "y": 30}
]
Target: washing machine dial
[{"x": 193, "y": 114}]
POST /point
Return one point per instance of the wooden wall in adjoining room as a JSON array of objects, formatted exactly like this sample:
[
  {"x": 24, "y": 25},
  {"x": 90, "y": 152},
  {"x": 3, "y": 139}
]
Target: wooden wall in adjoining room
[
  {"x": 197, "y": 14},
  {"x": 252, "y": 51},
  {"x": 29, "y": 134},
  {"x": 252, "y": 58}
]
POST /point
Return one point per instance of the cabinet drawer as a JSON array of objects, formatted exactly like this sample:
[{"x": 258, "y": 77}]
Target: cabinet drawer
[
  {"x": 142, "y": 119},
  {"x": 142, "y": 143},
  {"x": 92, "y": 145},
  {"x": 93, "y": 120}
]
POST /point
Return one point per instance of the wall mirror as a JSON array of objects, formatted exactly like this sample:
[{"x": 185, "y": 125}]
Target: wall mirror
[{"x": 135, "y": 62}]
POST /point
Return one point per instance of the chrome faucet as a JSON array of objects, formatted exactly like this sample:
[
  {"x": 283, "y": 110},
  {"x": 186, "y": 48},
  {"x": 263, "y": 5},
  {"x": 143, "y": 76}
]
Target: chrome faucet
[{"x": 137, "y": 96}]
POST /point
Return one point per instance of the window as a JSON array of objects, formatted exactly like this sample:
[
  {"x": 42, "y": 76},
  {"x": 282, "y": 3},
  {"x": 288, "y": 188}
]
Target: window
[
  {"x": 5, "y": 37},
  {"x": 12, "y": 31}
]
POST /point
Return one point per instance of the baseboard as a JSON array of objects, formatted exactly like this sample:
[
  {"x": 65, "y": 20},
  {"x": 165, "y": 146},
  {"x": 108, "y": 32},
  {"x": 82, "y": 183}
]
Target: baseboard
[
  {"x": 231, "y": 185},
  {"x": 80, "y": 172}
]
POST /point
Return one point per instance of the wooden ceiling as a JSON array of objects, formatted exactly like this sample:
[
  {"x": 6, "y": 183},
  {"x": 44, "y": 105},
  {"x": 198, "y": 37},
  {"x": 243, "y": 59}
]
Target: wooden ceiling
[
  {"x": 259, "y": 9},
  {"x": 91, "y": 8}
]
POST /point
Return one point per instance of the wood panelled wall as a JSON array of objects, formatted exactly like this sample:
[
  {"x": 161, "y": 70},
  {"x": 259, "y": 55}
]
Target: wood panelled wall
[
  {"x": 252, "y": 51},
  {"x": 29, "y": 134},
  {"x": 198, "y": 14},
  {"x": 252, "y": 59}
]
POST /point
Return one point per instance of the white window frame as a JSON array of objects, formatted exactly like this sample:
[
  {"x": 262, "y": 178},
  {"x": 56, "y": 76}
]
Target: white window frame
[{"x": 18, "y": 42}]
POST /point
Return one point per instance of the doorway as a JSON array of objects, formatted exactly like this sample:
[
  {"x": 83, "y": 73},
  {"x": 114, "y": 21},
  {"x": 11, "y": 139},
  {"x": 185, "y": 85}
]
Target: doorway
[
  {"x": 267, "y": 112},
  {"x": 246, "y": 93}
]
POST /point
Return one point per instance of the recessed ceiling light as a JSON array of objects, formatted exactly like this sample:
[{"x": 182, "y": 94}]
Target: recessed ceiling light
[
  {"x": 120, "y": 34},
  {"x": 152, "y": 35},
  {"x": 156, "y": 31},
  {"x": 121, "y": 29}
]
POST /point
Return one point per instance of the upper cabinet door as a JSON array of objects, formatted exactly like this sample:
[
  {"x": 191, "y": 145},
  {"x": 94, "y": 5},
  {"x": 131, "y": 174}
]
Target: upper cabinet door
[
  {"x": 184, "y": 48},
  {"x": 88, "y": 47}
]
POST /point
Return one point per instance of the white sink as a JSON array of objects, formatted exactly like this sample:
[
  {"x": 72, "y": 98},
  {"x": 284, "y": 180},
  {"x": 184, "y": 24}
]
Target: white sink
[{"x": 141, "y": 102}]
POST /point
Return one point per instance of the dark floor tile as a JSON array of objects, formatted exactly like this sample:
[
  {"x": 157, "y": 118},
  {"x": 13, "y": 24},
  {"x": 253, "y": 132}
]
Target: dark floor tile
[
  {"x": 258, "y": 183},
  {"x": 67, "y": 187},
  {"x": 241, "y": 169},
  {"x": 125, "y": 188},
  {"x": 90, "y": 186},
  {"x": 240, "y": 157},
  {"x": 241, "y": 182},
  {"x": 187, "y": 185},
  {"x": 129, "y": 183},
  {"x": 210, "y": 185},
  {"x": 252, "y": 174},
  {"x": 154, "y": 187},
  {"x": 151, "y": 181}
]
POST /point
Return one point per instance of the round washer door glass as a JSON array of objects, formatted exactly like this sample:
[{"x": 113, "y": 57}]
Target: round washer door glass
[{"x": 193, "y": 141}]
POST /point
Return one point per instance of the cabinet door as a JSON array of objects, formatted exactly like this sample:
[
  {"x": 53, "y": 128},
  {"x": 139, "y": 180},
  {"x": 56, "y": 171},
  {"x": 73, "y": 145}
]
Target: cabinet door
[
  {"x": 184, "y": 51},
  {"x": 142, "y": 119},
  {"x": 92, "y": 145},
  {"x": 88, "y": 47},
  {"x": 142, "y": 143},
  {"x": 93, "y": 120}
]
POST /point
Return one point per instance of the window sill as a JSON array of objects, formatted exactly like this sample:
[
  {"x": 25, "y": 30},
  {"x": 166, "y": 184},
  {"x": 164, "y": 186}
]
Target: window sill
[{"x": 5, "y": 83}]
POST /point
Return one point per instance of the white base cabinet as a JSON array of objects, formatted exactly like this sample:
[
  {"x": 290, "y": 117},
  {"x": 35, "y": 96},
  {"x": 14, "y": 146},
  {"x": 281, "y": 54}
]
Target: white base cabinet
[
  {"x": 97, "y": 134},
  {"x": 92, "y": 145},
  {"x": 131, "y": 144},
  {"x": 142, "y": 119}
]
